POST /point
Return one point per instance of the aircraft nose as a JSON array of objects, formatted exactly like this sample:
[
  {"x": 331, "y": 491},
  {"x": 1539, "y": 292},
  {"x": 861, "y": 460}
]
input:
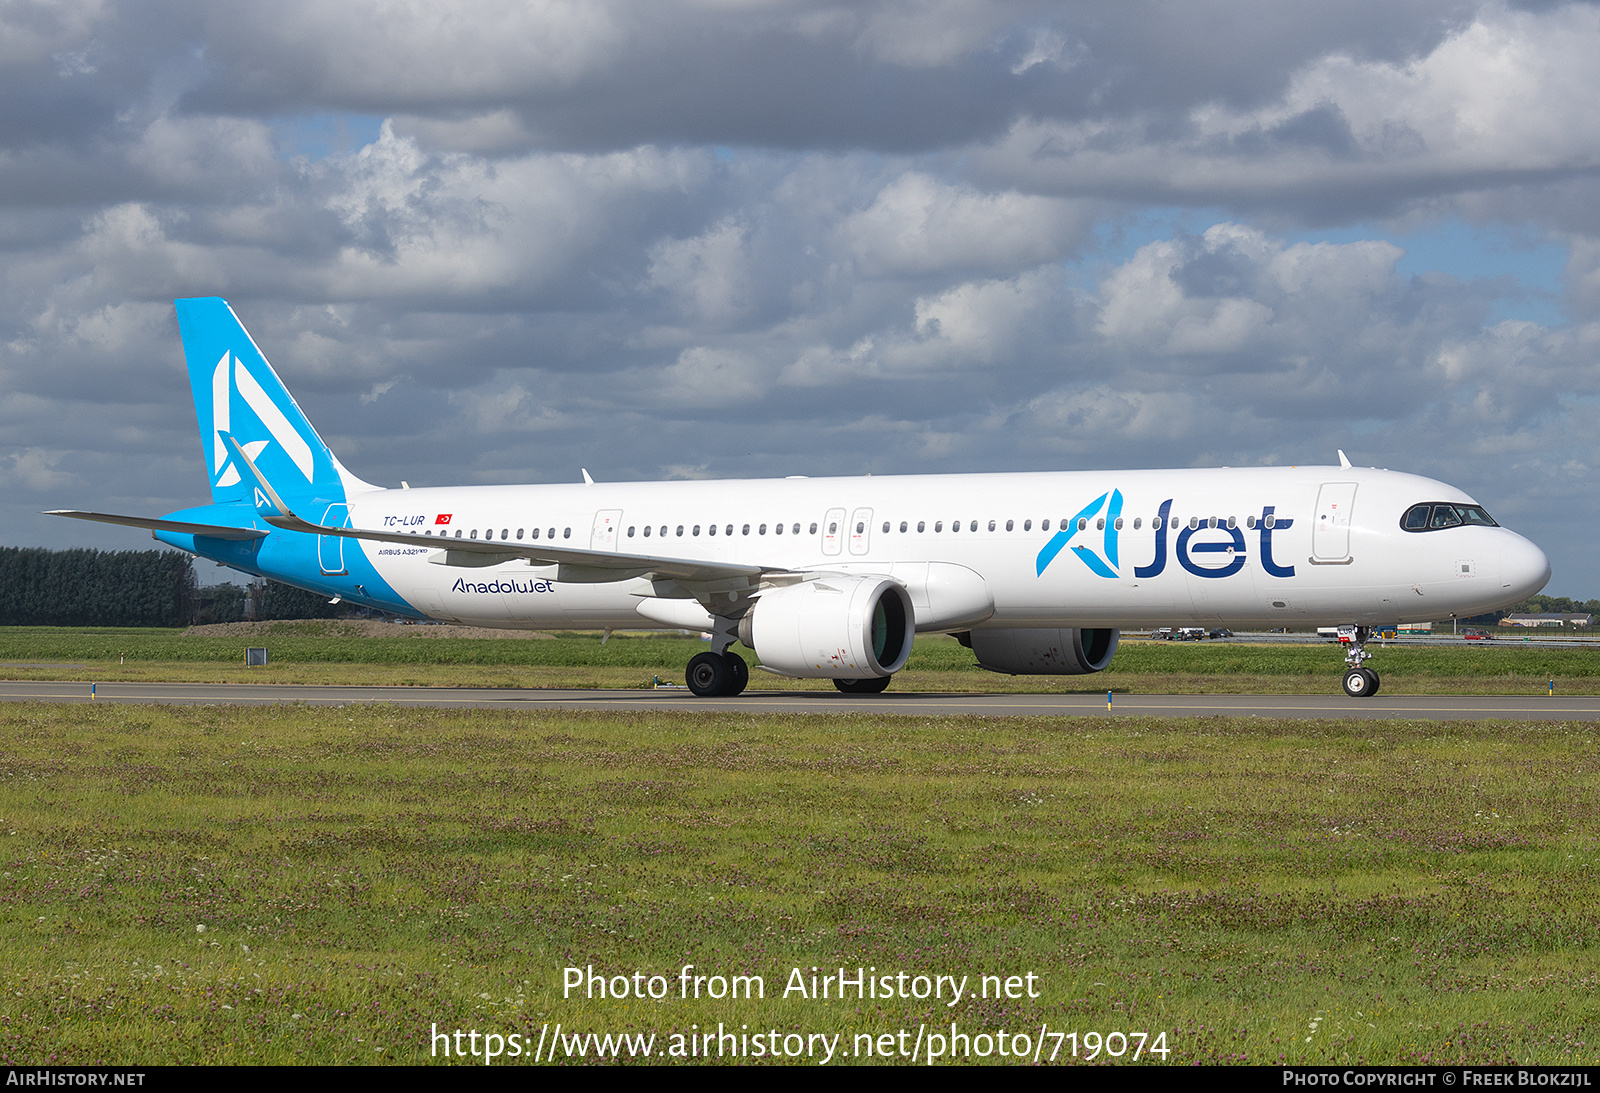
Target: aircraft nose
[{"x": 1524, "y": 569}]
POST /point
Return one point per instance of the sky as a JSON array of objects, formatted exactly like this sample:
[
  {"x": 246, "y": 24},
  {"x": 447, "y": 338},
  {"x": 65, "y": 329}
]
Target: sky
[{"x": 499, "y": 242}]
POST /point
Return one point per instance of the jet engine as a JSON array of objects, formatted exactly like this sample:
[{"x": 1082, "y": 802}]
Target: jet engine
[
  {"x": 836, "y": 627},
  {"x": 1064, "y": 652}
]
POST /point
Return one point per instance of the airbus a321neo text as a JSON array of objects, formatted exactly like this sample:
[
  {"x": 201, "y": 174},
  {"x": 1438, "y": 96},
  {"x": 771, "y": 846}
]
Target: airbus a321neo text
[{"x": 831, "y": 578}]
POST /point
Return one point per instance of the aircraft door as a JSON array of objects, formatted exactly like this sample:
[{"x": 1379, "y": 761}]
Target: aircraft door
[
  {"x": 832, "y": 531},
  {"x": 330, "y": 548},
  {"x": 860, "y": 531},
  {"x": 1330, "y": 537},
  {"x": 604, "y": 534}
]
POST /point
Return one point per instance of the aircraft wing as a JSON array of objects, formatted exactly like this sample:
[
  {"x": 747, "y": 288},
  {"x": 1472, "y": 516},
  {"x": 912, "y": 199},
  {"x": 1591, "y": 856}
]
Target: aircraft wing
[
  {"x": 577, "y": 565},
  {"x": 212, "y": 531}
]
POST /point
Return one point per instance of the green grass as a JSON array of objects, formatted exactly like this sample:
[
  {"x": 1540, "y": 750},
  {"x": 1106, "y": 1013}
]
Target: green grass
[
  {"x": 1259, "y": 890},
  {"x": 316, "y": 653}
]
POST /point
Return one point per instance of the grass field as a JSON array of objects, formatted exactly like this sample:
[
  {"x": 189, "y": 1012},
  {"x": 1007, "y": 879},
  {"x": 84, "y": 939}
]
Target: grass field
[
  {"x": 318, "y": 653},
  {"x": 223, "y": 885}
]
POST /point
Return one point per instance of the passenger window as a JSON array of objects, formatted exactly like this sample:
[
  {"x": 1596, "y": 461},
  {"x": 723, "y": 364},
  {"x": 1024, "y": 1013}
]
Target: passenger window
[
  {"x": 795, "y": 530},
  {"x": 1118, "y": 524},
  {"x": 1137, "y": 520},
  {"x": 813, "y": 528},
  {"x": 712, "y": 530},
  {"x": 474, "y": 534},
  {"x": 1250, "y": 522},
  {"x": 647, "y": 532},
  {"x": 458, "y": 533},
  {"x": 630, "y": 532},
  {"x": 955, "y": 525},
  {"x": 1027, "y": 525},
  {"x": 680, "y": 531},
  {"x": 902, "y": 527},
  {"x": 747, "y": 529},
  {"x": 938, "y": 525},
  {"x": 1044, "y": 525},
  {"x": 886, "y": 527},
  {"x": 1194, "y": 522},
  {"x": 728, "y": 530},
  {"x": 762, "y": 530},
  {"x": 861, "y": 526},
  {"x": 922, "y": 526},
  {"x": 1082, "y": 523},
  {"x": 536, "y": 532},
  {"x": 1100, "y": 524},
  {"x": 833, "y": 529},
  {"x": 1271, "y": 521},
  {"x": 1233, "y": 522}
]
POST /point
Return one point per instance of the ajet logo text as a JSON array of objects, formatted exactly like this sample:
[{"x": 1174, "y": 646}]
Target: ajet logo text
[{"x": 1100, "y": 524}]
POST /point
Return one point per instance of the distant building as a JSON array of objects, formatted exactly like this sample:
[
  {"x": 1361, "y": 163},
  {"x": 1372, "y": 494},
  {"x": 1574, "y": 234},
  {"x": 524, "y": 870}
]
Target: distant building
[{"x": 1549, "y": 618}]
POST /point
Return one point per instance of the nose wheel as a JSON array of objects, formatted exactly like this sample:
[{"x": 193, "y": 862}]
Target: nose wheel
[{"x": 1359, "y": 682}]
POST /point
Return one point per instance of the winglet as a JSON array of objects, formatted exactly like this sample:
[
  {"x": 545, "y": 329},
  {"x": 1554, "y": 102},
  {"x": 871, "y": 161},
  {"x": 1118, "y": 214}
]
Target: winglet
[
  {"x": 587, "y": 481},
  {"x": 1344, "y": 460}
]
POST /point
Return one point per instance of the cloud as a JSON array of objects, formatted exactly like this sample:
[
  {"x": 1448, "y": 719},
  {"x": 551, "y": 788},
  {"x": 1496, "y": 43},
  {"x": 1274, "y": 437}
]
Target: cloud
[{"x": 802, "y": 236}]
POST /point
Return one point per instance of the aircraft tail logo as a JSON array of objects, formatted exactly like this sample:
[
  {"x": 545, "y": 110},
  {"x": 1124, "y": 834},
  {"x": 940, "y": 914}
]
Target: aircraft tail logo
[{"x": 236, "y": 392}]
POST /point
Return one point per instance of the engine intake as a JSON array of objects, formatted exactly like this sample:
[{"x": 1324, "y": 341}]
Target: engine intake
[{"x": 832, "y": 628}]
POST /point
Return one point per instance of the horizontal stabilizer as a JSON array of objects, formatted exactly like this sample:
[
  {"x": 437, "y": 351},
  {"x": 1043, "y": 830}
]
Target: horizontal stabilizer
[{"x": 210, "y": 531}]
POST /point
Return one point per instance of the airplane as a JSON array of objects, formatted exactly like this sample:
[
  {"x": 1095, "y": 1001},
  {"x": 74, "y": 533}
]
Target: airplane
[{"x": 832, "y": 578}]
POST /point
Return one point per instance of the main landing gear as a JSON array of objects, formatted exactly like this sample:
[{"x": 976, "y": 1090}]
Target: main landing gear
[
  {"x": 874, "y": 686},
  {"x": 718, "y": 675},
  {"x": 1359, "y": 682}
]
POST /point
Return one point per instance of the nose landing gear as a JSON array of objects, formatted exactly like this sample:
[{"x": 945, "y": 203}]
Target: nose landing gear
[{"x": 1359, "y": 682}]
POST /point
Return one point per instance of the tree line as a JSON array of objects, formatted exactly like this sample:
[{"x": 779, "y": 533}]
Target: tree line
[{"x": 40, "y": 587}]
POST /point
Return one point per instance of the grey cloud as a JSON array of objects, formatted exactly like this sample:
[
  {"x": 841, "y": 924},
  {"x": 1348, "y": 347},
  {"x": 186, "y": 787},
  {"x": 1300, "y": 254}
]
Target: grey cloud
[{"x": 796, "y": 238}]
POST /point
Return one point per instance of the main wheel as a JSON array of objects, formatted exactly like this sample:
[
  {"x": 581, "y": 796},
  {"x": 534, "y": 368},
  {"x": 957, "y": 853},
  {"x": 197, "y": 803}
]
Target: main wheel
[
  {"x": 709, "y": 675},
  {"x": 738, "y": 674},
  {"x": 873, "y": 686},
  {"x": 1359, "y": 683}
]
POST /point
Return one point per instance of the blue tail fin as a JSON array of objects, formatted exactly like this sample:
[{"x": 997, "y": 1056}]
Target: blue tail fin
[{"x": 236, "y": 391}]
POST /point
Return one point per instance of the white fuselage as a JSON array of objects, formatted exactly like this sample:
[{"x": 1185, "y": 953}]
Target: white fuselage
[{"x": 1335, "y": 551}]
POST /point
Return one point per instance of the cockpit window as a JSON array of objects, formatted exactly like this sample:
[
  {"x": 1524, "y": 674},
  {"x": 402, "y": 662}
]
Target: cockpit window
[{"x": 1434, "y": 515}]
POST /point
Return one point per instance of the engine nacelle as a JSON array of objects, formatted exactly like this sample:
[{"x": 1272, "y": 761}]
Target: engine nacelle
[
  {"x": 832, "y": 628},
  {"x": 1069, "y": 652}
]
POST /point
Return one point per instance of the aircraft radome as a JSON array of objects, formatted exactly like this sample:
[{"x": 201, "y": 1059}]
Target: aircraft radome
[{"x": 832, "y": 577}]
